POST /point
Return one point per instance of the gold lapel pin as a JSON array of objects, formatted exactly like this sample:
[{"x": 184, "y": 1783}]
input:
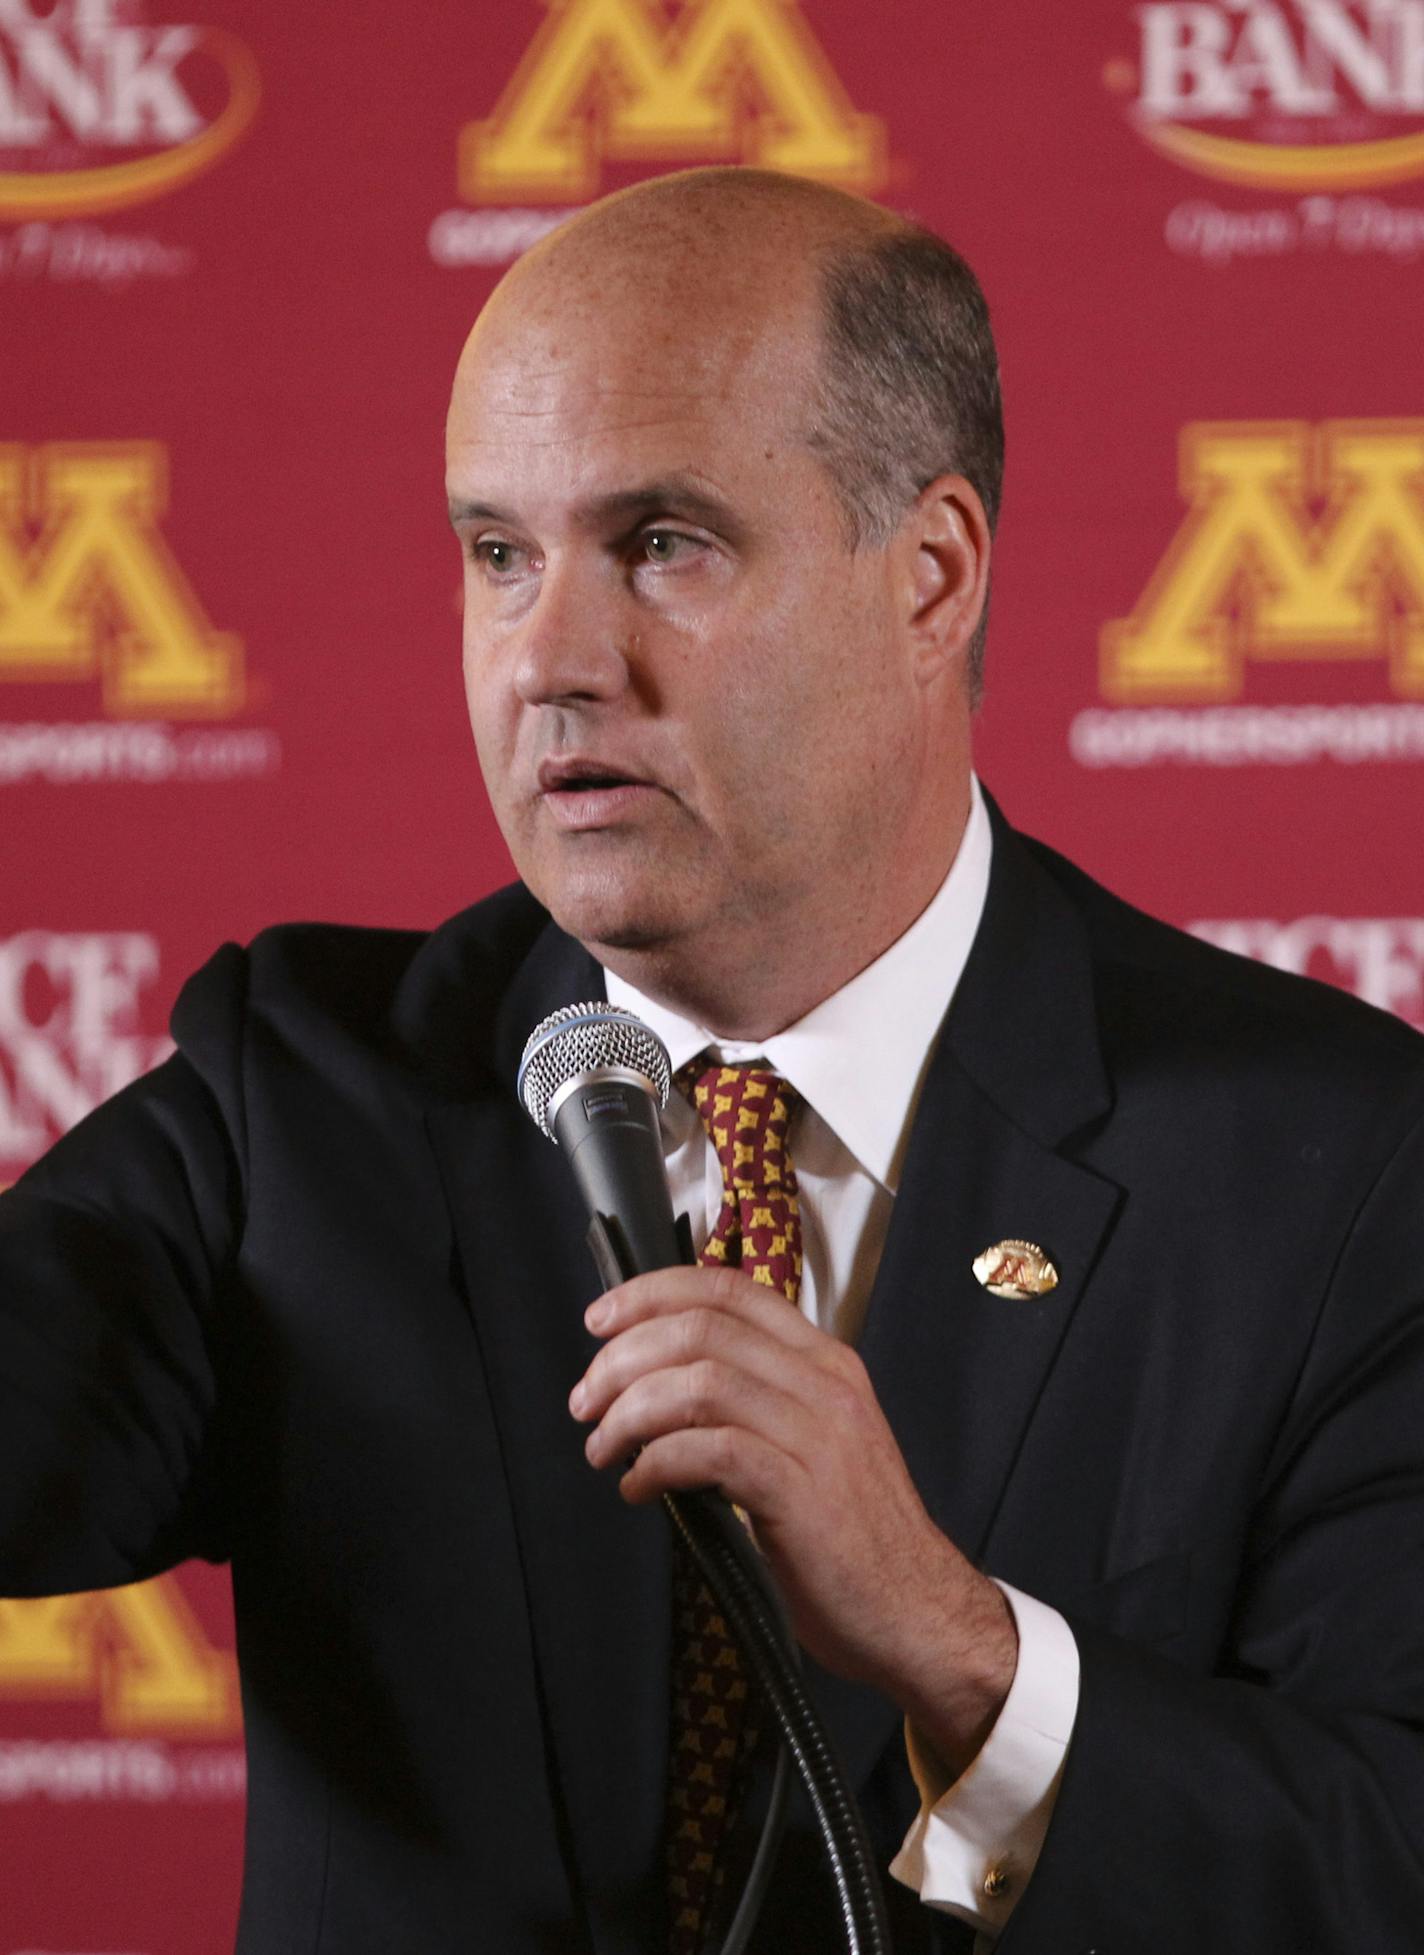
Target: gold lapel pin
[{"x": 1015, "y": 1269}]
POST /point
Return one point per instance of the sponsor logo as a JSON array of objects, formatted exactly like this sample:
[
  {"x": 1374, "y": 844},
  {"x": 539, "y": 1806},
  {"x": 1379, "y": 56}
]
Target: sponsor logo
[
  {"x": 139, "y": 1771},
  {"x": 1252, "y": 574},
  {"x": 101, "y": 109},
  {"x": 1320, "y": 101},
  {"x": 1380, "y": 959},
  {"x": 139, "y": 1654},
  {"x": 1246, "y": 736},
  {"x": 618, "y": 82},
  {"x": 1302, "y": 545},
  {"x": 87, "y": 254},
  {"x": 70, "y": 1030},
  {"x": 1292, "y": 95},
  {"x": 149, "y": 752},
  {"x": 1355, "y": 226},
  {"x": 97, "y": 591}
]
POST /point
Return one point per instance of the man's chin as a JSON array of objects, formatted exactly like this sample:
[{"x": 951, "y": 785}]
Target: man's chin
[
  {"x": 631, "y": 936},
  {"x": 631, "y": 888},
  {"x": 605, "y": 920}
]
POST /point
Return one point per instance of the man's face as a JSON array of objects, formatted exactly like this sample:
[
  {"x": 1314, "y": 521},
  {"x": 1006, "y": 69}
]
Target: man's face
[{"x": 691, "y": 698}]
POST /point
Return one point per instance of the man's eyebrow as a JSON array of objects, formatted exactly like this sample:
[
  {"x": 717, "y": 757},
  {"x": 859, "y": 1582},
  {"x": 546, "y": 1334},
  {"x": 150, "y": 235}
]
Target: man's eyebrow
[
  {"x": 462, "y": 511},
  {"x": 674, "y": 495}
]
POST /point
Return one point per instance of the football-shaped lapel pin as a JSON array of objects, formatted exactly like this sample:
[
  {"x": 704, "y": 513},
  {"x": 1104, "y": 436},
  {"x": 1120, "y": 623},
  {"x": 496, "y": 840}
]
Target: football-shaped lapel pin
[{"x": 1015, "y": 1269}]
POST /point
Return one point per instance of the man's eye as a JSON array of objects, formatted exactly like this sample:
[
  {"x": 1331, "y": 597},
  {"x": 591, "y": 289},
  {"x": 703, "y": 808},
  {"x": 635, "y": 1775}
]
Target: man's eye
[
  {"x": 496, "y": 555},
  {"x": 665, "y": 545}
]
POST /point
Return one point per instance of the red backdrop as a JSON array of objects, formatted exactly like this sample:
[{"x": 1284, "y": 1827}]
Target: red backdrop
[{"x": 240, "y": 244}]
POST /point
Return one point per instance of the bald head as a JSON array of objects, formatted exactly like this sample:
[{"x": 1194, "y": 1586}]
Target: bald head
[
  {"x": 739, "y": 251},
  {"x": 743, "y": 221},
  {"x": 880, "y": 327},
  {"x": 727, "y": 252}
]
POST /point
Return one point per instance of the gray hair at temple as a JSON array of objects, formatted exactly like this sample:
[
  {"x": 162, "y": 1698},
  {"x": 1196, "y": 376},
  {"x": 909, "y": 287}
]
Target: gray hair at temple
[{"x": 909, "y": 387}]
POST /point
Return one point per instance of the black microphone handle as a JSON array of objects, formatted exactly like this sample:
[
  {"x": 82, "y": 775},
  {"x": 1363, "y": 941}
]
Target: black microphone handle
[{"x": 608, "y": 1128}]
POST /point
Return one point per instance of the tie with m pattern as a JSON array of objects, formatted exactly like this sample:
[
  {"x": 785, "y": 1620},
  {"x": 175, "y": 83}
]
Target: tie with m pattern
[{"x": 747, "y": 1111}]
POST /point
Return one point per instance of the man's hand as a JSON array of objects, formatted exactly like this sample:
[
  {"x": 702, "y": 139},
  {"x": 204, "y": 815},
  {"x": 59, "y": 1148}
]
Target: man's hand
[{"x": 713, "y": 1380}]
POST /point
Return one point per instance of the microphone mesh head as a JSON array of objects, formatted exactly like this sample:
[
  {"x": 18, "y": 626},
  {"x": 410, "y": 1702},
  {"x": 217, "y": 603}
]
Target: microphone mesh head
[{"x": 579, "y": 1039}]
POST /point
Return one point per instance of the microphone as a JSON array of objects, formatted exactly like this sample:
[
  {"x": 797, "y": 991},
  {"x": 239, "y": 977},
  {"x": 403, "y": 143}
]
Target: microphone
[{"x": 593, "y": 1079}]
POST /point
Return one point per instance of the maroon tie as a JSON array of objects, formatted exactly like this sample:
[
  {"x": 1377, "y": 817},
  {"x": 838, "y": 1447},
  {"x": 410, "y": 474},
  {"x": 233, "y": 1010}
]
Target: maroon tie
[{"x": 747, "y": 1111}]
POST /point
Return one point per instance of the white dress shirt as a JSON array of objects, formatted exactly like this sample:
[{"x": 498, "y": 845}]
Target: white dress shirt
[{"x": 858, "y": 1062}]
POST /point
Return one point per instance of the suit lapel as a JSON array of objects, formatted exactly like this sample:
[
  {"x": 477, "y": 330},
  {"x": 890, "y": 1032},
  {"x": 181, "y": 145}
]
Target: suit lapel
[
  {"x": 1018, "y": 1073},
  {"x": 596, "y": 1572},
  {"x": 957, "y": 1371}
]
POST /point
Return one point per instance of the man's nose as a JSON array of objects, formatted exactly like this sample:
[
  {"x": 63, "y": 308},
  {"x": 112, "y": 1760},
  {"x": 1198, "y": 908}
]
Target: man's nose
[{"x": 574, "y": 639}]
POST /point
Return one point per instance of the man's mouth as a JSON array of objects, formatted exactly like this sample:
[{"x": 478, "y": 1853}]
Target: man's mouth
[
  {"x": 584, "y": 792},
  {"x": 574, "y": 776}
]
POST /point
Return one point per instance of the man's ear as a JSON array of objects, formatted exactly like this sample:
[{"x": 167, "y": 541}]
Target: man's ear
[{"x": 946, "y": 544}]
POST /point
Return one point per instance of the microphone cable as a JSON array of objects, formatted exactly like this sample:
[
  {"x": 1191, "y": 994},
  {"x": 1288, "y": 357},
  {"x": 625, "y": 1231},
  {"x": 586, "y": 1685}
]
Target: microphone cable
[{"x": 733, "y": 1569}]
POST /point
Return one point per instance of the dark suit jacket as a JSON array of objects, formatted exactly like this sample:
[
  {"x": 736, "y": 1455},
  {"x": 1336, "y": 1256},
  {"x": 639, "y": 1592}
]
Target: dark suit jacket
[{"x": 309, "y": 1297}]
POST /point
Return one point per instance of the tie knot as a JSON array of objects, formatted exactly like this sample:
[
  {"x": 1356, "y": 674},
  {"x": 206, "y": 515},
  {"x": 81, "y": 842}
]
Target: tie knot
[{"x": 747, "y": 1112}]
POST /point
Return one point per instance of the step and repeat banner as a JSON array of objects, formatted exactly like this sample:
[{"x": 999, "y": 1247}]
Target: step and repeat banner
[{"x": 240, "y": 245}]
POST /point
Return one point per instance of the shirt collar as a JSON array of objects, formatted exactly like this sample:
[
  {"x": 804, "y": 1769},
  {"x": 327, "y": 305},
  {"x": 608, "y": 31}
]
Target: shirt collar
[{"x": 859, "y": 1056}]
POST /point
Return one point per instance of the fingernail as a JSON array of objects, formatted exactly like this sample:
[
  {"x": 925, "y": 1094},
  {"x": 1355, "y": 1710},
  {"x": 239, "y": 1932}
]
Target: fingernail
[
  {"x": 597, "y": 1314},
  {"x": 578, "y": 1398}
]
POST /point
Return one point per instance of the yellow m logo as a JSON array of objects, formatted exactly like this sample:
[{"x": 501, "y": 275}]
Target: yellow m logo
[
  {"x": 1302, "y": 542},
  {"x": 730, "y": 80},
  {"x": 87, "y": 583},
  {"x": 139, "y": 1651}
]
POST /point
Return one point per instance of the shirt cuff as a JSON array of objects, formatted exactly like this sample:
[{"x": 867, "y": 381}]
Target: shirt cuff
[{"x": 976, "y": 1840}]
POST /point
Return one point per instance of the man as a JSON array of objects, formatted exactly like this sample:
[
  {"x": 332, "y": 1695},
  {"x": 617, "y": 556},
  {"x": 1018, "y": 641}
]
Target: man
[{"x": 1116, "y": 1552}]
